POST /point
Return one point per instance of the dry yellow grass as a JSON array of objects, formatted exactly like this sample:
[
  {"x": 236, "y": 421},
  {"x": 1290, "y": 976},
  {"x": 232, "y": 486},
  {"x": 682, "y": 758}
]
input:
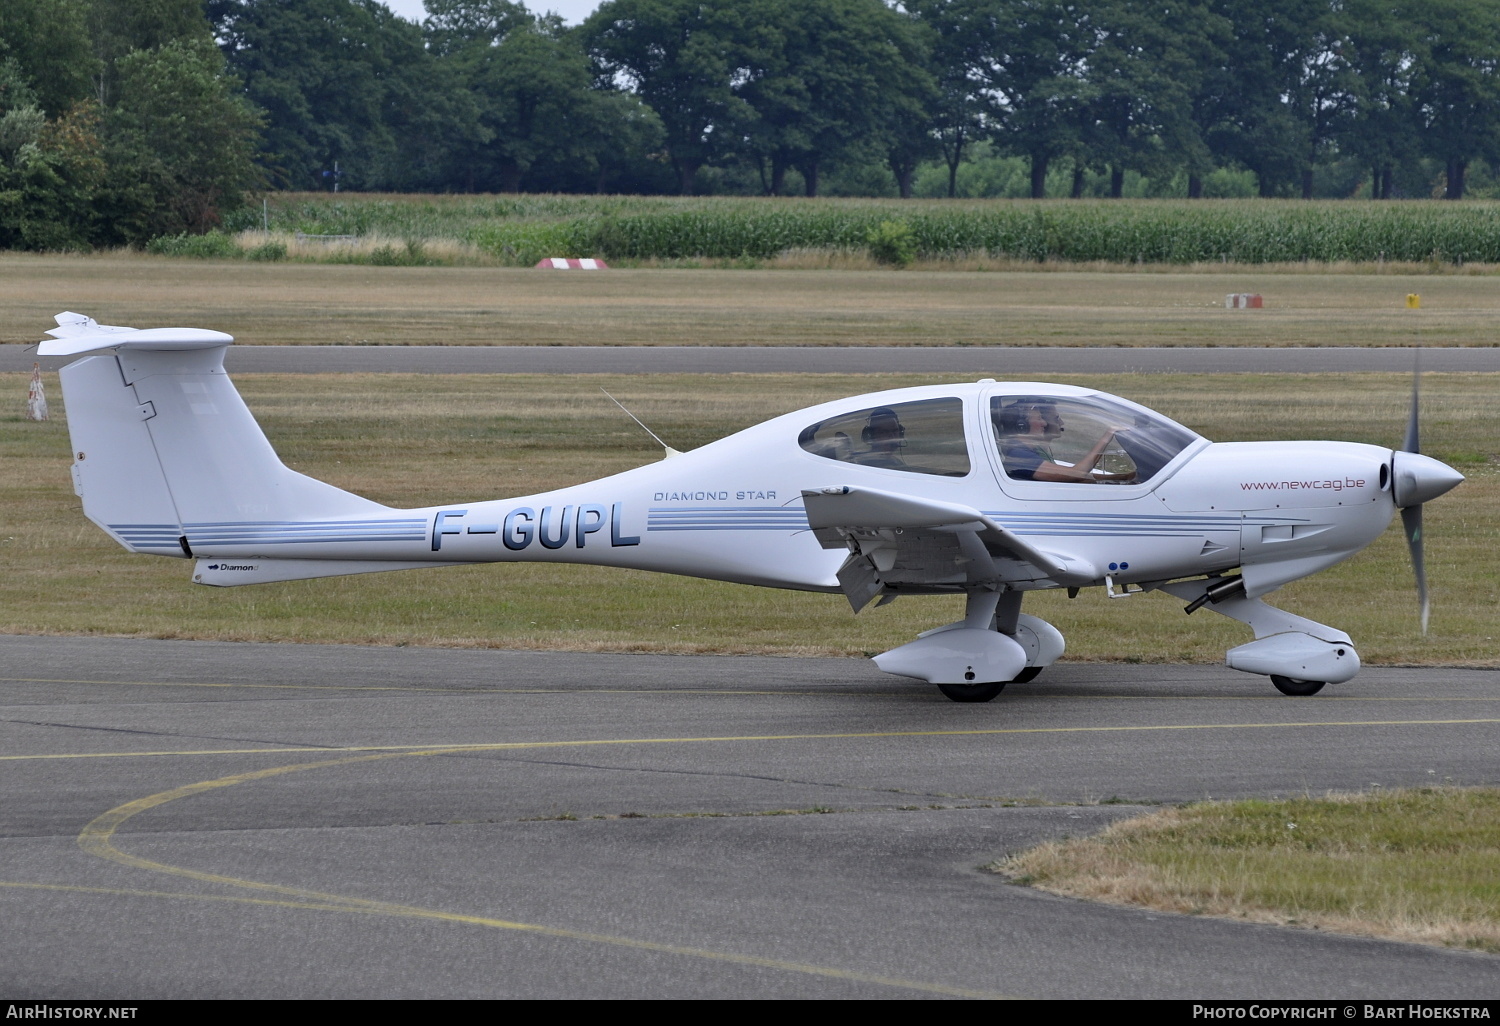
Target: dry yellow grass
[
  {"x": 412, "y": 440},
  {"x": 312, "y": 248},
  {"x": 1415, "y": 865},
  {"x": 303, "y": 304}
]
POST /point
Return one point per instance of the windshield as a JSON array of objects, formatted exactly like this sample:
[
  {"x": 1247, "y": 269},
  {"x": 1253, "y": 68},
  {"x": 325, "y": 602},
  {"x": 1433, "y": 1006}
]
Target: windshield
[
  {"x": 1082, "y": 440},
  {"x": 924, "y": 437}
]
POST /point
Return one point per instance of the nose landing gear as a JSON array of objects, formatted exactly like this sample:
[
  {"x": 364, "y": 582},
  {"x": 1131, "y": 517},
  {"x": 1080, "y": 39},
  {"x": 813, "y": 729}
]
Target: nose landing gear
[{"x": 1284, "y": 643}]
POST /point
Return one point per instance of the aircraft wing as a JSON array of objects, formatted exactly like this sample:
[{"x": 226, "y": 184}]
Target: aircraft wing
[{"x": 909, "y": 541}]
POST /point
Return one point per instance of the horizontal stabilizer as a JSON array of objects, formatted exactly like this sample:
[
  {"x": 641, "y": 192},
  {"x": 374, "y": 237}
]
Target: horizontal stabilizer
[
  {"x": 76, "y": 334},
  {"x": 226, "y": 573}
]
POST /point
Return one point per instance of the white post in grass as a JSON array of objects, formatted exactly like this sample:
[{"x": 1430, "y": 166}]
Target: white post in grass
[{"x": 36, "y": 399}]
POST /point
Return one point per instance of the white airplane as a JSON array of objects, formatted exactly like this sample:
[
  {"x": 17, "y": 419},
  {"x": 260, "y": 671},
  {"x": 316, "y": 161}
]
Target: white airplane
[{"x": 989, "y": 489}]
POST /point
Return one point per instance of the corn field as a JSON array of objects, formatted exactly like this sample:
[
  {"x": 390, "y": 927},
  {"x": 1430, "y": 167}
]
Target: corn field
[{"x": 523, "y": 229}]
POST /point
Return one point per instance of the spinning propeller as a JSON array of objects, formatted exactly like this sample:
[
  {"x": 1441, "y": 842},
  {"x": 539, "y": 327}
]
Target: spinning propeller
[{"x": 1415, "y": 479}]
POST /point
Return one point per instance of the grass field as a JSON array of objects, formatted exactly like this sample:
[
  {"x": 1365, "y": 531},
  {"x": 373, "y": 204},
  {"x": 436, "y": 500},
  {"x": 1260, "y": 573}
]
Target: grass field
[
  {"x": 309, "y": 304},
  {"x": 1418, "y": 865},
  {"x": 411, "y": 440}
]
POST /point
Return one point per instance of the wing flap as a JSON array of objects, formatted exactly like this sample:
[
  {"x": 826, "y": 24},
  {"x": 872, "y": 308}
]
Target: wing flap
[
  {"x": 906, "y": 539},
  {"x": 831, "y": 509}
]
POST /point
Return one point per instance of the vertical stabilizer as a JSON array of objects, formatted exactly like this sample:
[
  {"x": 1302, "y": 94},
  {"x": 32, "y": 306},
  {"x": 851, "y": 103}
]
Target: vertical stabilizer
[{"x": 164, "y": 447}]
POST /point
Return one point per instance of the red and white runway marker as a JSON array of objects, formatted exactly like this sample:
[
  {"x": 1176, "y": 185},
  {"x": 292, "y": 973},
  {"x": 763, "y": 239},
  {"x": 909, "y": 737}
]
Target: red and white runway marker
[{"x": 572, "y": 264}]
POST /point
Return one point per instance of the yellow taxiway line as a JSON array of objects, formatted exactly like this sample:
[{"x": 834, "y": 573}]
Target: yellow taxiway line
[
  {"x": 448, "y": 749},
  {"x": 97, "y": 839}
]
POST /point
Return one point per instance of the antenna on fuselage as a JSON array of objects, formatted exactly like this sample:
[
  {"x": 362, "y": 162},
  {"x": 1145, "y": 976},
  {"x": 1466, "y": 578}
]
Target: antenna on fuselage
[{"x": 670, "y": 451}]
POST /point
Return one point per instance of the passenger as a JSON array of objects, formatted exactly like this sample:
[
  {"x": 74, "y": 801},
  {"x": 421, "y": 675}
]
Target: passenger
[
  {"x": 838, "y": 447},
  {"x": 841, "y": 449},
  {"x": 1025, "y": 431},
  {"x": 884, "y": 435}
]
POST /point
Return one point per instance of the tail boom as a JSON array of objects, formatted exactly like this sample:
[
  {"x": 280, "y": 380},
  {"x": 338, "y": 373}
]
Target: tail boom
[{"x": 169, "y": 461}]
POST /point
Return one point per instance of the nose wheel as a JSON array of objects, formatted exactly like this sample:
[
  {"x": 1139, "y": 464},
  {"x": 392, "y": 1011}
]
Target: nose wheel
[{"x": 1295, "y": 687}]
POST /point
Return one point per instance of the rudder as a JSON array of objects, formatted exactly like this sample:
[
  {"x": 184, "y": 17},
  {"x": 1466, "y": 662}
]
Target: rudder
[{"x": 115, "y": 469}]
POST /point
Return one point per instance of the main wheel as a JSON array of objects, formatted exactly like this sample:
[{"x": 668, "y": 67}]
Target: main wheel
[
  {"x": 1293, "y": 686},
  {"x": 972, "y": 692},
  {"x": 1027, "y": 674}
]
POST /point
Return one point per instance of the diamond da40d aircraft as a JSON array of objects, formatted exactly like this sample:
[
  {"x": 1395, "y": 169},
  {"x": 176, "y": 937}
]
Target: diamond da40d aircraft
[{"x": 991, "y": 489}]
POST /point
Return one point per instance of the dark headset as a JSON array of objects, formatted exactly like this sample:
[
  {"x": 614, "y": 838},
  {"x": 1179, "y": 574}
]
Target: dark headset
[
  {"x": 1015, "y": 419},
  {"x": 889, "y": 427}
]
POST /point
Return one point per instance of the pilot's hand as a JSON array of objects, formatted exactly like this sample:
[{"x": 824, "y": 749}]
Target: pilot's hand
[{"x": 1089, "y": 461}]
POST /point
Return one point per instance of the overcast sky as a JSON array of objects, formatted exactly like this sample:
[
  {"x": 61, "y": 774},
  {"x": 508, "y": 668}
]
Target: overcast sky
[{"x": 573, "y": 11}]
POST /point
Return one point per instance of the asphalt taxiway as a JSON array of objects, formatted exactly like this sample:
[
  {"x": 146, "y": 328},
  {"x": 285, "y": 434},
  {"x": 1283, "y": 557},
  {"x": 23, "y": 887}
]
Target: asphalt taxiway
[{"x": 198, "y": 819}]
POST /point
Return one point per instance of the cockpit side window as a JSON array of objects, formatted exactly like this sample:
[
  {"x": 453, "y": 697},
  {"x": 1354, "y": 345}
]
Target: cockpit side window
[
  {"x": 925, "y": 437},
  {"x": 1082, "y": 440}
]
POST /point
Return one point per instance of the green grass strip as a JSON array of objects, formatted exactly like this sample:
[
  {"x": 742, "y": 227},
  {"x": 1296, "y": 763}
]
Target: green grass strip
[{"x": 1417, "y": 864}]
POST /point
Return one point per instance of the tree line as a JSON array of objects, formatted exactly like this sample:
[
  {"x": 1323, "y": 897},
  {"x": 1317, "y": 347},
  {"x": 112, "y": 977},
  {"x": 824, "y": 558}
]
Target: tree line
[
  {"x": 121, "y": 120},
  {"x": 486, "y": 95}
]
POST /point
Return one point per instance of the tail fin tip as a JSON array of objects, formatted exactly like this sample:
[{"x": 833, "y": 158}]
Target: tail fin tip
[{"x": 78, "y": 333}]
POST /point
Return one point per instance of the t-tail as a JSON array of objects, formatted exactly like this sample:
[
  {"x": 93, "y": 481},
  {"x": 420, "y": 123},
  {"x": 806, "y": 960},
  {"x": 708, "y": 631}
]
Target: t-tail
[{"x": 169, "y": 461}]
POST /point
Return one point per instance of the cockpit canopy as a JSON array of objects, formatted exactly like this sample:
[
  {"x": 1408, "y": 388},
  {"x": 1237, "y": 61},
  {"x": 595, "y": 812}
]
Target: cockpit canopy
[
  {"x": 924, "y": 437},
  {"x": 1035, "y": 434},
  {"x": 1119, "y": 444}
]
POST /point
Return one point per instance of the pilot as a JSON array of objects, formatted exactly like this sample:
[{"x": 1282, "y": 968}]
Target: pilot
[
  {"x": 1026, "y": 430},
  {"x": 884, "y": 436}
]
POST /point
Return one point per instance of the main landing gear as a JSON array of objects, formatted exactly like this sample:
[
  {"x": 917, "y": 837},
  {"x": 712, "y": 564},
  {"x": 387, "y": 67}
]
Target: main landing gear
[
  {"x": 972, "y": 692},
  {"x": 1293, "y": 686},
  {"x": 972, "y": 660},
  {"x": 985, "y": 692}
]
